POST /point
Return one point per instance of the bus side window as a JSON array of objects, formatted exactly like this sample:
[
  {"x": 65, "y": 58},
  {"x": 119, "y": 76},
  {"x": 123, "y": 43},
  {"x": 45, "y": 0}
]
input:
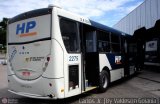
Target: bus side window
[
  {"x": 115, "y": 43},
  {"x": 91, "y": 39},
  {"x": 70, "y": 35},
  {"x": 103, "y": 41}
]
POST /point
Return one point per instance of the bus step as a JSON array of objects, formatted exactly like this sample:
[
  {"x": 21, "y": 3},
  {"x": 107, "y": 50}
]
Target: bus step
[{"x": 90, "y": 88}]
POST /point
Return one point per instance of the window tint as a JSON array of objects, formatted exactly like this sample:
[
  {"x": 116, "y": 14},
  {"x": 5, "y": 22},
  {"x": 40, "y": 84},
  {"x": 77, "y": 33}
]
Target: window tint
[
  {"x": 70, "y": 35},
  {"x": 132, "y": 48},
  {"x": 103, "y": 41},
  {"x": 91, "y": 40},
  {"x": 115, "y": 43}
]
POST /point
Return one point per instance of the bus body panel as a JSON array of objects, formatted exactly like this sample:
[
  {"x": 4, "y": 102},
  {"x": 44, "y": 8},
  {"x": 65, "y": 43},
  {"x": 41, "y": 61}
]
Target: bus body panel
[
  {"x": 28, "y": 61},
  {"x": 38, "y": 88},
  {"x": 105, "y": 62},
  {"x": 55, "y": 66},
  {"x": 30, "y": 29},
  {"x": 72, "y": 74},
  {"x": 27, "y": 55},
  {"x": 117, "y": 74},
  {"x": 66, "y": 14},
  {"x": 53, "y": 74}
]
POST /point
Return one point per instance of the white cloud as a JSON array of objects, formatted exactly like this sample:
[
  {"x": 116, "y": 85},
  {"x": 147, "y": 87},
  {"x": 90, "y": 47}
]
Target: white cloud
[
  {"x": 131, "y": 8},
  {"x": 123, "y": 11},
  {"x": 10, "y": 8},
  {"x": 88, "y": 8}
]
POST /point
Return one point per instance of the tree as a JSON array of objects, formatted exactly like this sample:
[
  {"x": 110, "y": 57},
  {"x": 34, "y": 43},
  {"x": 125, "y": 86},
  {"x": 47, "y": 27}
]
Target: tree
[
  {"x": 3, "y": 23},
  {"x": 3, "y": 29}
]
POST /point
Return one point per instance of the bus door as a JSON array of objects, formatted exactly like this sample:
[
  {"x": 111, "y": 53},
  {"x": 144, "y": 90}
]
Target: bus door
[
  {"x": 130, "y": 56},
  {"x": 90, "y": 58}
]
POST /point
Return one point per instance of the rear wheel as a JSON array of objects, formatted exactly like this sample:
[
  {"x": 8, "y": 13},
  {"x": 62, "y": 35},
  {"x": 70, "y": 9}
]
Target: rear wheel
[{"x": 104, "y": 81}]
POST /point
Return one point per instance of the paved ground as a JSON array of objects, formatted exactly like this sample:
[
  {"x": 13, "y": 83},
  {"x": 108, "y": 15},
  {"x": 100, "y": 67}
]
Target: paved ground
[
  {"x": 2, "y": 56},
  {"x": 143, "y": 85}
]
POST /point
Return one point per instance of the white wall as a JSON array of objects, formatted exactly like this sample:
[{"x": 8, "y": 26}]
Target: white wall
[{"x": 144, "y": 15}]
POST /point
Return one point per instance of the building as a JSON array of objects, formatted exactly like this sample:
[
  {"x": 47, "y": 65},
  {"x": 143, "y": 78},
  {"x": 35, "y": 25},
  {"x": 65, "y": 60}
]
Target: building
[
  {"x": 144, "y": 24},
  {"x": 144, "y": 16}
]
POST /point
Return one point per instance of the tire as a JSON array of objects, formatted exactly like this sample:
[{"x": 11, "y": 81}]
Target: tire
[{"x": 104, "y": 81}]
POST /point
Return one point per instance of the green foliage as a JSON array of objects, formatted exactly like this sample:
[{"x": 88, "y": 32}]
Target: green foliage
[
  {"x": 3, "y": 23},
  {"x": 3, "y": 33},
  {"x": 3, "y": 37}
]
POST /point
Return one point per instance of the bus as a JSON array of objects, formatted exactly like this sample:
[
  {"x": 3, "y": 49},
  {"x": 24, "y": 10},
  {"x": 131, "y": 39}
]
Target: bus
[
  {"x": 55, "y": 54},
  {"x": 152, "y": 52}
]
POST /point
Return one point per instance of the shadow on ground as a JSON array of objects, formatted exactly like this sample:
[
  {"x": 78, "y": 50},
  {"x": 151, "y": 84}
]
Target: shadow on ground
[{"x": 73, "y": 100}]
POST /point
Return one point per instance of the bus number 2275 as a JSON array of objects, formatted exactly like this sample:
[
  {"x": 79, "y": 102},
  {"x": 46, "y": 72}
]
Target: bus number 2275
[{"x": 73, "y": 58}]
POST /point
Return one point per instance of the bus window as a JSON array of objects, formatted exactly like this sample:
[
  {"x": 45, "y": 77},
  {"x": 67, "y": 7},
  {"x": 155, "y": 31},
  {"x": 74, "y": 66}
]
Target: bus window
[
  {"x": 115, "y": 43},
  {"x": 103, "y": 41},
  {"x": 70, "y": 35},
  {"x": 91, "y": 41}
]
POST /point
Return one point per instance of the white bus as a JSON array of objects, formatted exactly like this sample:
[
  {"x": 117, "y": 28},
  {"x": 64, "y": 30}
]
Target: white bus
[
  {"x": 152, "y": 50},
  {"x": 53, "y": 53}
]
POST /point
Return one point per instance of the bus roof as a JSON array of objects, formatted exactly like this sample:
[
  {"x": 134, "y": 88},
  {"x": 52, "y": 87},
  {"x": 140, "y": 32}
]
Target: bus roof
[
  {"x": 29, "y": 14},
  {"x": 43, "y": 11},
  {"x": 104, "y": 27}
]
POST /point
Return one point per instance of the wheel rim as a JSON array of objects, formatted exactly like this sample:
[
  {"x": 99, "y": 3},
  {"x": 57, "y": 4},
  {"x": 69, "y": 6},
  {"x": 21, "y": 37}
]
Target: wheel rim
[{"x": 104, "y": 81}]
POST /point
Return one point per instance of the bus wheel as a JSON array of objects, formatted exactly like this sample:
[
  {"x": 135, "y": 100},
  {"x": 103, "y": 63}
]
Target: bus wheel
[{"x": 104, "y": 81}]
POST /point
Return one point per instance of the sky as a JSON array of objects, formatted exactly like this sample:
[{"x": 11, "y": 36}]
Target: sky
[{"x": 107, "y": 12}]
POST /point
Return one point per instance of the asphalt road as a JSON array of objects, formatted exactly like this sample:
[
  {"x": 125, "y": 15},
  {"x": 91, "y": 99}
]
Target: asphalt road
[{"x": 143, "y": 85}]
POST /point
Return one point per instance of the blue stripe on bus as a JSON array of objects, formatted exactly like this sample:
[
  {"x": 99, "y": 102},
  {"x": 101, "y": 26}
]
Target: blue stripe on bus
[{"x": 111, "y": 59}]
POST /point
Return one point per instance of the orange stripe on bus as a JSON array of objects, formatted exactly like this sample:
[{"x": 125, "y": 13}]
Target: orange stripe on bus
[{"x": 28, "y": 34}]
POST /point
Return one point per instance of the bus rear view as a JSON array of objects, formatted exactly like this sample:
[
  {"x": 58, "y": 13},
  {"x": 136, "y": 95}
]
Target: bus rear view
[
  {"x": 57, "y": 54},
  {"x": 29, "y": 55}
]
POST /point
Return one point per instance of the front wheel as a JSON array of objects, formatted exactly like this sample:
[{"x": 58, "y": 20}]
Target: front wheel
[{"x": 104, "y": 81}]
